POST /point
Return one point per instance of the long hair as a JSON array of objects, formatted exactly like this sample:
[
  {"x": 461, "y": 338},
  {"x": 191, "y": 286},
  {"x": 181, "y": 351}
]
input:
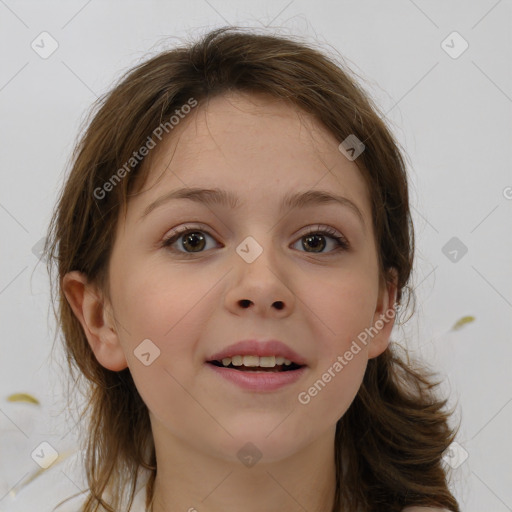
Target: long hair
[{"x": 395, "y": 432}]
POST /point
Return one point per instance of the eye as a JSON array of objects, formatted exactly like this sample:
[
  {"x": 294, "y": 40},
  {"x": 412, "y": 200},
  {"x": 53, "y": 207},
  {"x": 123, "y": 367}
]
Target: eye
[
  {"x": 314, "y": 239},
  {"x": 194, "y": 241},
  {"x": 192, "y": 238}
]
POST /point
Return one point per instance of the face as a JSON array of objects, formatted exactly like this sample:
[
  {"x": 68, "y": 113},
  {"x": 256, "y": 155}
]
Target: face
[{"x": 259, "y": 270}]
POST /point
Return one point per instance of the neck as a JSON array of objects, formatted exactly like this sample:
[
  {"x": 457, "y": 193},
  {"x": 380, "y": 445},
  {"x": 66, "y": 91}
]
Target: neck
[{"x": 190, "y": 481}]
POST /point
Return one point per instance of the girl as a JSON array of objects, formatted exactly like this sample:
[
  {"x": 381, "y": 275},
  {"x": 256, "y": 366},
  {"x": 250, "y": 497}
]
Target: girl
[{"x": 233, "y": 243}]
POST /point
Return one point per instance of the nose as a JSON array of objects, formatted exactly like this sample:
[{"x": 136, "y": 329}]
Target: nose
[
  {"x": 247, "y": 303},
  {"x": 262, "y": 286}
]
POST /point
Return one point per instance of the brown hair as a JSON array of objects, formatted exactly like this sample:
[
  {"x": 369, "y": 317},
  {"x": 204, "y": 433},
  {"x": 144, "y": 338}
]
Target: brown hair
[{"x": 396, "y": 430}]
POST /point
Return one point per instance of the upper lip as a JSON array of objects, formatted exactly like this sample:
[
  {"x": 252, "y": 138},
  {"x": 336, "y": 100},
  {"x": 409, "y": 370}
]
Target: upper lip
[{"x": 259, "y": 348}]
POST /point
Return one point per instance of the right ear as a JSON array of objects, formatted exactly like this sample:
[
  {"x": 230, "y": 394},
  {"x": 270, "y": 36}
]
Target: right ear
[{"x": 88, "y": 305}]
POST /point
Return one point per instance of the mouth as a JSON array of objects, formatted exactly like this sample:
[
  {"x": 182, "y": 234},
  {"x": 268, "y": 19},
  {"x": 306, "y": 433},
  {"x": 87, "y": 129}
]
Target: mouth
[
  {"x": 255, "y": 364},
  {"x": 259, "y": 367}
]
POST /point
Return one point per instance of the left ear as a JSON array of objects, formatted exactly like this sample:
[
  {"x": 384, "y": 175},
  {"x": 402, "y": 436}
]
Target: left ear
[{"x": 384, "y": 317}]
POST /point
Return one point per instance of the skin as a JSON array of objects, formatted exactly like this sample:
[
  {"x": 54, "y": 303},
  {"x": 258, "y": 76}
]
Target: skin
[{"x": 260, "y": 149}]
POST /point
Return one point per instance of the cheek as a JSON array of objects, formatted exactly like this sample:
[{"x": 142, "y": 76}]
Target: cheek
[
  {"x": 330, "y": 391},
  {"x": 156, "y": 301},
  {"x": 342, "y": 305},
  {"x": 172, "y": 320},
  {"x": 343, "y": 308},
  {"x": 173, "y": 314}
]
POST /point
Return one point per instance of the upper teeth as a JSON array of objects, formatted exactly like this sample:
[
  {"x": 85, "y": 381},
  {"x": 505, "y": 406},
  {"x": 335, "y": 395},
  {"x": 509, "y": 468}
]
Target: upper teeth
[{"x": 265, "y": 362}]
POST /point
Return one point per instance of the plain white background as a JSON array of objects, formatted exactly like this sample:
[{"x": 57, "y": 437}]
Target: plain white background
[{"x": 451, "y": 112}]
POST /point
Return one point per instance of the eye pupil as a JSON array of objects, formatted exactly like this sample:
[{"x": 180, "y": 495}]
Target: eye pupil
[
  {"x": 192, "y": 239},
  {"x": 313, "y": 240}
]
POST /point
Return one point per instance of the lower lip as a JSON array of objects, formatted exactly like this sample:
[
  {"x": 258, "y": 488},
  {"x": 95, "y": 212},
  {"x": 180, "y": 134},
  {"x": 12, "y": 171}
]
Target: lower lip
[{"x": 259, "y": 381}]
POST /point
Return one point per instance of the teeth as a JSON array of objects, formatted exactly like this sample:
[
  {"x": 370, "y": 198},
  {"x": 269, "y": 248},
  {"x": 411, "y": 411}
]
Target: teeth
[
  {"x": 252, "y": 361},
  {"x": 265, "y": 362}
]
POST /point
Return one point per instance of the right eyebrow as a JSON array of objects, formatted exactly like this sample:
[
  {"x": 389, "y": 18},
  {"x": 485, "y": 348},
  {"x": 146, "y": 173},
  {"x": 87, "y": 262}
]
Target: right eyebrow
[{"x": 215, "y": 196}]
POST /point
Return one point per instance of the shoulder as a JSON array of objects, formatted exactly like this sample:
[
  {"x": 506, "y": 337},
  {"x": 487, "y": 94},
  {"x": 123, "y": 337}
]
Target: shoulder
[
  {"x": 76, "y": 503},
  {"x": 50, "y": 492}
]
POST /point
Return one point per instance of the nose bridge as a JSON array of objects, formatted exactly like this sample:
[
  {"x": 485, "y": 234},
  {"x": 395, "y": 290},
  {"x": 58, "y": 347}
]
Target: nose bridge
[
  {"x": 250, "y": 250},
  {"x": 260, "y": 245},
  {"x": 259, "y": 237},
  {"x": 260, "y": 273}
]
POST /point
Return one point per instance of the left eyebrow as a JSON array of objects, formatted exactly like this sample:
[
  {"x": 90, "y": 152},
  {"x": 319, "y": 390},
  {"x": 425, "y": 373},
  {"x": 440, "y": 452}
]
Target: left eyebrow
[{"x": 215, "y": 196}]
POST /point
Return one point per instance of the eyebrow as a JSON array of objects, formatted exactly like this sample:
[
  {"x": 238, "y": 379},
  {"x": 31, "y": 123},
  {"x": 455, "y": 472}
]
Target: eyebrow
[{"x": 215, "y": 196}]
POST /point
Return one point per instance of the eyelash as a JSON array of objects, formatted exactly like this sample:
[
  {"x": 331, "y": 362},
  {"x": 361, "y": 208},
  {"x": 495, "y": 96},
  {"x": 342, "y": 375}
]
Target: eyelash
[{"x": 343, "y": 244}]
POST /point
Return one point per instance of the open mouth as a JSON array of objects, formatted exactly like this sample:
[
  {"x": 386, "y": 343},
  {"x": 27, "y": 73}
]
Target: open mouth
[{"x": 272, "y": 369}]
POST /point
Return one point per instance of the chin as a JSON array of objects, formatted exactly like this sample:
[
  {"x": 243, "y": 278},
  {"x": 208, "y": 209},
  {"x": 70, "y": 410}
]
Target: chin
[{"x": 258, "y": 443}]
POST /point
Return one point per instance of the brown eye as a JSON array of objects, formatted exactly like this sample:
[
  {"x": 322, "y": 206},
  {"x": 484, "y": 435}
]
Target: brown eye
[
  {"x": 192, "y": 240},
  {"x": 316, "y": 241}
]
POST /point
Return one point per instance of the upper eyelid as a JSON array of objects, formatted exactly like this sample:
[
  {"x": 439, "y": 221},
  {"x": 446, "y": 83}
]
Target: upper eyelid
[
  {"x": 311, "y": 228},
  {"x": 328, "y": 231}
]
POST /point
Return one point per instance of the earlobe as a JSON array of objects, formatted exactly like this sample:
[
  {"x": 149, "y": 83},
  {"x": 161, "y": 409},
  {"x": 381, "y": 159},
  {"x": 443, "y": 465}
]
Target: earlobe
[
  {"x": 384, "y": 317},
  {"x": 86, "y": 302}
]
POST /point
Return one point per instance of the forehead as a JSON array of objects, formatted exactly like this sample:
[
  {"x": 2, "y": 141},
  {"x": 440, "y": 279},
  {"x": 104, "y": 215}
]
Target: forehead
[
  {"x": 241, "y": 124},
  {"x": 255, "y": 145}
]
